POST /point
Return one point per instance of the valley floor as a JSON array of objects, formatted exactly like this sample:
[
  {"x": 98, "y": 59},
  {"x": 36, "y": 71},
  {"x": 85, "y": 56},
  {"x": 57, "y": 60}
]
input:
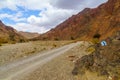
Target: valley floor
[
  {"x": 59, "y": 68},
  {"x": 11, "y": 52}
]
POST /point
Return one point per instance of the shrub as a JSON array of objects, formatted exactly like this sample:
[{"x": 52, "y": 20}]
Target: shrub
[
  {"x": 96, "y": 38},
  {"x": 72, "y": 38},
  {"x": 3, "y": 40},
  {"x": 97, "y": 35},
  {"x": 0, "y": 44},
  {"x": 44, "y": 38},
  {"x": 90, "y": 49},
  {"x": 13, "y": 42},
  {"x": 56, "y": 39},
  {"x": 21, "y": 40},
  {"x": 95, "y": 41},
  {"x": 12, "y": 37},
  {"x": 54, "y": 45}
]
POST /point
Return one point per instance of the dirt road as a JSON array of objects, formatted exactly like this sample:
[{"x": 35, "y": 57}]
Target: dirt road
[{"x": 21, "y": 68}]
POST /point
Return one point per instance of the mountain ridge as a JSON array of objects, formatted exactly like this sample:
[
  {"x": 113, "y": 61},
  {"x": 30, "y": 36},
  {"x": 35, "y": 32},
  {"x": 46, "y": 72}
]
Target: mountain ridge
[
  {"x": 9, "y": 34},
  {"x": 29, "y": 35},
  {"x": 103, "y": 20}
]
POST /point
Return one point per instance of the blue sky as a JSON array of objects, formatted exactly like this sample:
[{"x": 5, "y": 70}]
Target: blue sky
[
  {"x": 22, "y": 12},
  {"x": 40, "y": 16}
]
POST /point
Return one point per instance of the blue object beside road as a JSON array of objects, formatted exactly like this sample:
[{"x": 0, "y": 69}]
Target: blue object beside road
[{"x": 104, "y": 43}]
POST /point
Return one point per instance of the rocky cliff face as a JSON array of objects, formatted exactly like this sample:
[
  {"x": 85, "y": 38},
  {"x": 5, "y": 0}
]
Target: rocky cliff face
[
  {"x": 104, "y": 20},
  {"x": 8, "y": 34}
]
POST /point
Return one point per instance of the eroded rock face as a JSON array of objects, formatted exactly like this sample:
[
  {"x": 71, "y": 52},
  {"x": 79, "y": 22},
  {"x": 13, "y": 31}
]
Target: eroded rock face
[{"x": 100, "y": 65}]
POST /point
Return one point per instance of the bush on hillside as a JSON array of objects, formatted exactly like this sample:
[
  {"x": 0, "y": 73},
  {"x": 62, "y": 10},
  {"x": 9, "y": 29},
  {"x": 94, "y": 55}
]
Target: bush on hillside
[
  {"x": 97, "y": 35},
  {"x": 21, "y": 40},
  {"x": 0, "y": 44},
  {"x": 72, "y": 38},
  {"x": 56, "y": 39},
  {"x": 3, "y": 40},
  {"x": 95, "y": 41}
]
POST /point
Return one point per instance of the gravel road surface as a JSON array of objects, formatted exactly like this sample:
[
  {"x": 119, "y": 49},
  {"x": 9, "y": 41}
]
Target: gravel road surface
[{"x": 17, "y": 70}]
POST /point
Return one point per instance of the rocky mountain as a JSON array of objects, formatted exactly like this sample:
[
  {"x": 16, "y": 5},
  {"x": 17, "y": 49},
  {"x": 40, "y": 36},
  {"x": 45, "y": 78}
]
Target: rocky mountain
[
  {"x": 105, "y": 20},
  {"x": 29, "y": 35},
  {"x": 8, "y": 34}
]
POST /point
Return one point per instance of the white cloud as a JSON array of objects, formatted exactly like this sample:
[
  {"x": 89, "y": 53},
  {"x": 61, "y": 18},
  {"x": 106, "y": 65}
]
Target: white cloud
[
  {"x": 51, "y": 12},
  {"x": 15, "y": 17},
  {"x": 34, "y": 4},
  {"x": 65, "y": 4},
  {"x": 5, "y": 16},
  {"x": 18, "y": 17},
  {"x": 8, "y": 4},
  {"x": 50, "y": 17},
  {"x": 29, "y": 28},
  {"x": 92, "y": 3},
  {"x": 79, "y": 4}
]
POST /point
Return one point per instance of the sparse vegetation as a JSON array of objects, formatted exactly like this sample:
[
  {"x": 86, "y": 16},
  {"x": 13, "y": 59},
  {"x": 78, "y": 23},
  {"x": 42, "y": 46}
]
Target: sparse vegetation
[
  {"x": 59, "y": 68},
  {"x": 13, "y": 42},
  {"x": 72, "y": 38},
  {"x": 13, "y": 51},
  {"x": 12, "y": 36},
  {"x": 54, "y": 45},
  {"x": 56, "y": 39},
  {"x": 97, "y": 35},
  {"x": 95, "y": 40},
  {"x": 3, "y": 40},
  {"x": 0, "y": 44},
  {"x": 21, "y": 40},
  {"x": 102, "y": 64},
  {"x": 90, "y": 49}
]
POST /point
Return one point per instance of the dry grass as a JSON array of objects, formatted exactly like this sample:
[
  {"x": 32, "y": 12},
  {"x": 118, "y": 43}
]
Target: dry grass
[
  {"x": 90, "y": 49},
  {"x": 10, "y": 52},
  {"x": 59, "y": 68}
]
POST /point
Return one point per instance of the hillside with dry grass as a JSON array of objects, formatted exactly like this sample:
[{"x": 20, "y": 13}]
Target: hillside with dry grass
[
  {"x": 29, "y": 35},
  {"x": 9, "y": 35},
  {"x": 11, "y": 52}
]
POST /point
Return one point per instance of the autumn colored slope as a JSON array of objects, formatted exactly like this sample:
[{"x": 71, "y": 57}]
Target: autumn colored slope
[
  {"x": 104, "y": 20},
  {"x": 29, "y": 35},
  {"x": 8, "y": 34}
]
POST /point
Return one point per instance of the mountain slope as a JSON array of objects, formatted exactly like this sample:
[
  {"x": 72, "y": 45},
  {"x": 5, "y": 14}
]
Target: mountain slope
[
  {"x": 8, "y": 34},
  {"x": 104, "y": 20},
  {"x": 29, "y": 35}
]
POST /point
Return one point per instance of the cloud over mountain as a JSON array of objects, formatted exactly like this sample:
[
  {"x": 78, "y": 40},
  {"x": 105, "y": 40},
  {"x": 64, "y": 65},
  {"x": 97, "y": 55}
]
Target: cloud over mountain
[{"x": 40, "y": 15}]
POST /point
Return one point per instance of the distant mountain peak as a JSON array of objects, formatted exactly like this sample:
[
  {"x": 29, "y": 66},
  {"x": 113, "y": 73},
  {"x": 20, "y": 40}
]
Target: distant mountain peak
[{"x": 29, "y": 35}]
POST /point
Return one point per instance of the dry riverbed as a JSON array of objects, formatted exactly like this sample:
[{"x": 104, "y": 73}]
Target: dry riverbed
[{"x": 11, "y": 52}]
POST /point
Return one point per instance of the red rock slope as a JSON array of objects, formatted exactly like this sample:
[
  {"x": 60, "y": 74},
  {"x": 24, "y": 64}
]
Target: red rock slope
[{"x": 104, "y": 20}]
